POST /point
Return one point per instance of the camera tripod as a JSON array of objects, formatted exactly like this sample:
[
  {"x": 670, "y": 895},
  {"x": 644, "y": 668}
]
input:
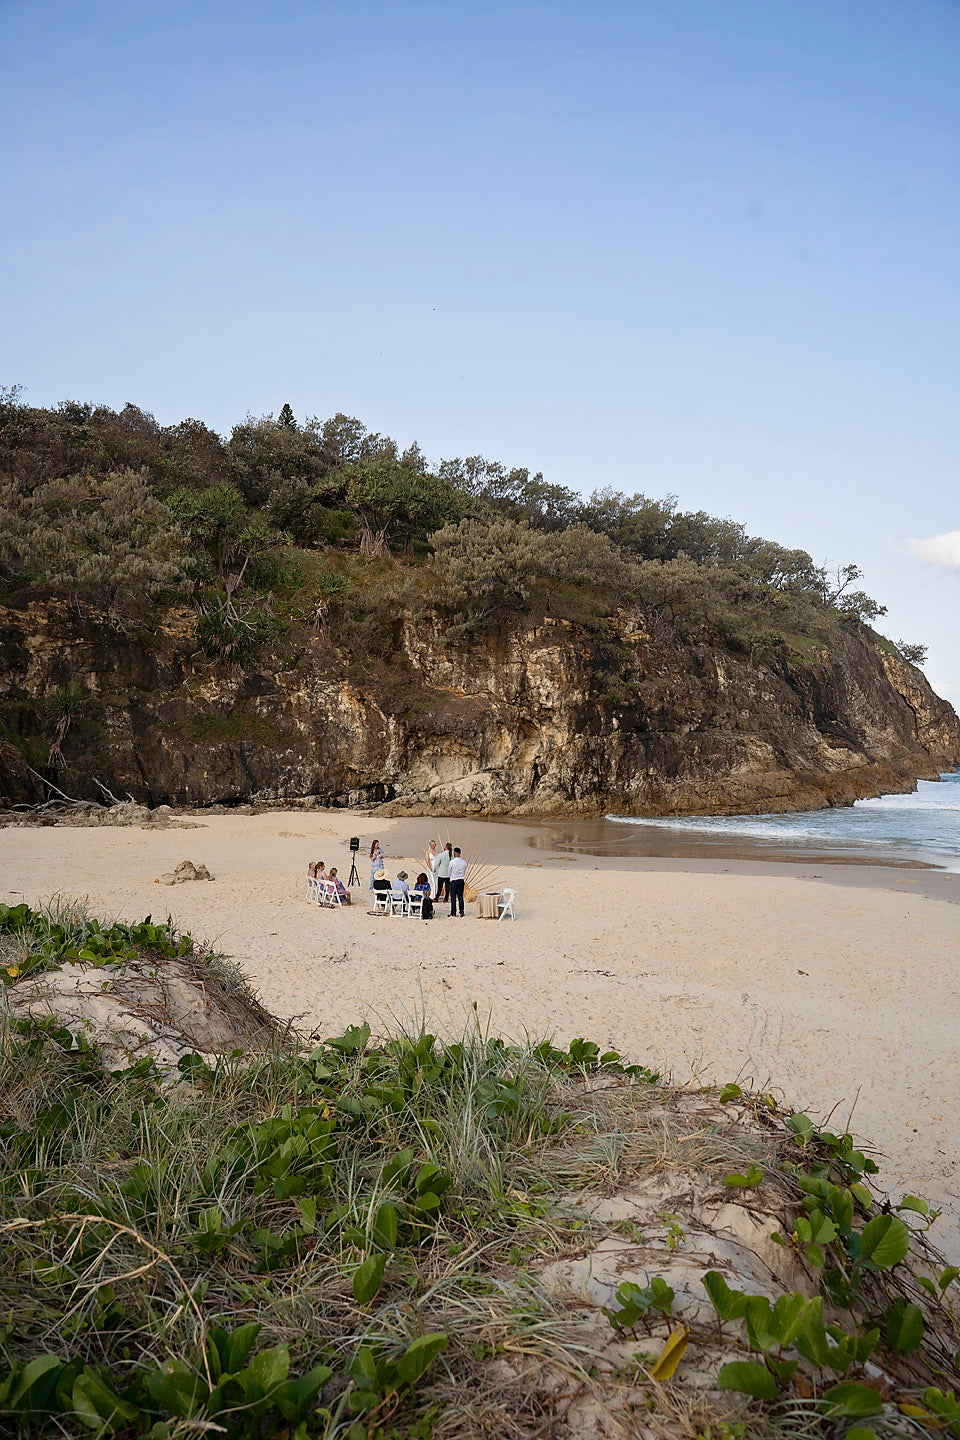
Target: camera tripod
[{"x": 354, "y": 877}]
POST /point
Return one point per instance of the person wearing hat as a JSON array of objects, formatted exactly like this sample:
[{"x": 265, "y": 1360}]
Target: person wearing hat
[
  {"x": 380, "y": 881},
  {"x": 401, "y": 884}
]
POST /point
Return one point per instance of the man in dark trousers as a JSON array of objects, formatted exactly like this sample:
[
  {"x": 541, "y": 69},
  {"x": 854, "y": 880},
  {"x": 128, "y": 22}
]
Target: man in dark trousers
[{"x": 458, "y": 877}]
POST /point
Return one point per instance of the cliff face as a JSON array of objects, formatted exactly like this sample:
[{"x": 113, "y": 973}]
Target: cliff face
[{"x": 546, "y": 720}]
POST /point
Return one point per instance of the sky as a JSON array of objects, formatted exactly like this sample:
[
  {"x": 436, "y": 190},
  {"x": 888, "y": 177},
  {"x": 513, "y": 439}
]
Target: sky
[{"x": 699, "y": 247}]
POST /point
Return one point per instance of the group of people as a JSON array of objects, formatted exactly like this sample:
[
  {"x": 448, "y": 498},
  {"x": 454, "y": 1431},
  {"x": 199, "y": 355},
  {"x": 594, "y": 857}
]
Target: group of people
[
  {"x": 316, "y": 870},
  {"x": 444, "y": 878}
]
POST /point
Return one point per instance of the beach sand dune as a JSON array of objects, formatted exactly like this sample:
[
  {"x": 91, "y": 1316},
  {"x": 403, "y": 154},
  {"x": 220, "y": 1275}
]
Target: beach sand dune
[{"x": 841, "y": 998}]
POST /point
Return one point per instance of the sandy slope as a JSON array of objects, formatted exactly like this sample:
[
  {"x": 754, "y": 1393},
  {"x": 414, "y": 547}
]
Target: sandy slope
[{"x": 837, "y": 995}]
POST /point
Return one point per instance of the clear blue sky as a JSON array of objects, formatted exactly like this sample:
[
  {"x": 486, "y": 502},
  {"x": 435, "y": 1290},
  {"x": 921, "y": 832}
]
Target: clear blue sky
[{"x": 701, "y": 246}]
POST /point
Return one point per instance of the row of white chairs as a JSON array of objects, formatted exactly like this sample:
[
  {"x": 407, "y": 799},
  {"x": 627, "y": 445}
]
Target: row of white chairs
[
  {"x": 323, "y": 893},
  {"x": 394, "y": 902}
]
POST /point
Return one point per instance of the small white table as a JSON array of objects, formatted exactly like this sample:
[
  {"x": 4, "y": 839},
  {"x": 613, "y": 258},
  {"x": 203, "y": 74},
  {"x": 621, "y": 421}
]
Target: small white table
[{"x": 487, "y": 901}]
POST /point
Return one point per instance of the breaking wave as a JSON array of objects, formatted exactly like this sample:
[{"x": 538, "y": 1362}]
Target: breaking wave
[{"x": 924, "y": 825}]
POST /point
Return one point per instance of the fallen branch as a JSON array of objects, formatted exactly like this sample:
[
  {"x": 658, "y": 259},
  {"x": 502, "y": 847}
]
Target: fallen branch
[
  {"x": 43, "y": 781},
  {"x": 110, "y": 795}
]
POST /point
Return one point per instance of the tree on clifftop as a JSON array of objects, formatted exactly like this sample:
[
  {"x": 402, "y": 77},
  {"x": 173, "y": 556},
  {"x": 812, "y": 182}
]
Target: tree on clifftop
[{"x": 395, "y": 503}]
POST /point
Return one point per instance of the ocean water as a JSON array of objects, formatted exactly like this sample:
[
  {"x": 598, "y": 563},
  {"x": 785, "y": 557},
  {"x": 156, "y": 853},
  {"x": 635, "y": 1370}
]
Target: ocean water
[{"x": 921, "y": 827}]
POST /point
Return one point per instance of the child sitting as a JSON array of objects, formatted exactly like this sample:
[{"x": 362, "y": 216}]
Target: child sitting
[{"x": 334, "y": 879}]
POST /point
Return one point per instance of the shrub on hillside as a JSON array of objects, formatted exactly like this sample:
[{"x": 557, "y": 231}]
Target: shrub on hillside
[
  {"x": 107, "y": 541},
  {"x": 307, "y": 513},
  {"x": 485, "y": 569}
]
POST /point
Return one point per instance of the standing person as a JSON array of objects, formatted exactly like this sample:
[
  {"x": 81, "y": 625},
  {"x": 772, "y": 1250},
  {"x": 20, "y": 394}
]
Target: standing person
[
  {"x": 458, "y": 878},
  {"x": 376, "y": 862},
  {"x": 431, "y": 857},
  {"x": 443, "y": 873}
]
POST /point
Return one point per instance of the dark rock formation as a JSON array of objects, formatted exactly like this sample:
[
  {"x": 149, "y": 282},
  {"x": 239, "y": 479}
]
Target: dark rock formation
[{"x": 545, "y": 720}]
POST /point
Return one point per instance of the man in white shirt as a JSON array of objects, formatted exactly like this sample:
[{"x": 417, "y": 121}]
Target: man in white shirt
[{"x": 458, "y": 875}]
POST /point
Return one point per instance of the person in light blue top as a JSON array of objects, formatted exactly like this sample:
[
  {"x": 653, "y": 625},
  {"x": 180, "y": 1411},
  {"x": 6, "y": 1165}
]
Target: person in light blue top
[{"x": 376, "y": 862}]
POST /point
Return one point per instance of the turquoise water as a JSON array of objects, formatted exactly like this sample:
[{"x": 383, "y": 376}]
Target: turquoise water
[{"x": 923, "y": 826}]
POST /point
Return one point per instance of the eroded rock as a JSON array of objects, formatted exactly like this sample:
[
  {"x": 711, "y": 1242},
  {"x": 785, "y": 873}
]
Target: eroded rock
[
  {"x": 540, "y": 720},
  {"x": 185, "y": 871}
]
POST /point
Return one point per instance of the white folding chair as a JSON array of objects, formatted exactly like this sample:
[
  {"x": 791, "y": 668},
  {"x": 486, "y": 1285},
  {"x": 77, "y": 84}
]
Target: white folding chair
[
  {"x": 398, "y": 902},
  {"x": 415, "y": 903},
  {"x": 313, "y": 890},
  {"x": 381, "y": 902},
  {"x": 505, "y": 905},
  {"x": 331, "y": 895}
]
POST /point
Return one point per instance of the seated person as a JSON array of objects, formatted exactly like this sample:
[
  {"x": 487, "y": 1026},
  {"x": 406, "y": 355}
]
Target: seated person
[
  {"x": 380, "y": 881},
  {"x": 422, "y": 887},
  {"x": 315, "y": 871},
  {"x": 334, "y": 879},
  {"x": 401, "y": 885}
]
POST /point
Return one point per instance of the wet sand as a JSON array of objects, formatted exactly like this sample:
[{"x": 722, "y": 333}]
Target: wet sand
[{"x": 594, "y": 845}]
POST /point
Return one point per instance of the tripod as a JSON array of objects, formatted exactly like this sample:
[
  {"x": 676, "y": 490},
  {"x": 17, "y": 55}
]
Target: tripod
[{"x": 354, "y": 877}]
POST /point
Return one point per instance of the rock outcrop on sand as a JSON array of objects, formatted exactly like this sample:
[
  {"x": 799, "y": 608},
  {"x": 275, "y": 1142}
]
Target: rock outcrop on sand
[
  {"x": 542, "y": 719},
  {"x": 184, "y": 872}
]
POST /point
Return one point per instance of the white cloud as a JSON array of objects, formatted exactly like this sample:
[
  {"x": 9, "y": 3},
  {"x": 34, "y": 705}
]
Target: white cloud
[{"x": 938, "y": 550}]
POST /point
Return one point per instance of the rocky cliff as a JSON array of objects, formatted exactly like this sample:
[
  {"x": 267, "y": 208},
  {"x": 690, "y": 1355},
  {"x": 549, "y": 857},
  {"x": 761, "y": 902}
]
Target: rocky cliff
[{"x": 545, "y": 719}]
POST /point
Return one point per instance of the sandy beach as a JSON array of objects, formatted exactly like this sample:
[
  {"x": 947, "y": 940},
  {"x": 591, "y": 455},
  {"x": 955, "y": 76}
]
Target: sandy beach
[{"x": 837, "y": 986}]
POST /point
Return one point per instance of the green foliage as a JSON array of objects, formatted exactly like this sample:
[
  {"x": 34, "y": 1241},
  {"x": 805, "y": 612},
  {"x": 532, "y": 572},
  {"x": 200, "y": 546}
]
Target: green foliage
[
  {"x": 223, "y": 537},
  {"x": 396, "y": 503},
  {"x": 368, "y": 1278},
  {"x": 914, "y": 654},
  {"x": 485, "y": 570},
  {"x": 851, "y": 1402},
  {"x": 748, "y": 1378},
  {"x": 884, "y": 1242},
  {"x": 234, "y": 632},
  {"x": 729, "y": 1304},
  {"x": 488, "y": 568},
  {"x": 106, "y": 541},
  {"x": 634, "y": 1303},
  {"x": 42, "y": 941},
  {"x": 904, "y": 1328},
  {"x": 242, "y": 1397},
  {"x": 307, "y": 514},
  {"x": 206, "y": 1202},
  {"x": 749, "y": 1181},
  {"x": 119, "y": 513}
]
